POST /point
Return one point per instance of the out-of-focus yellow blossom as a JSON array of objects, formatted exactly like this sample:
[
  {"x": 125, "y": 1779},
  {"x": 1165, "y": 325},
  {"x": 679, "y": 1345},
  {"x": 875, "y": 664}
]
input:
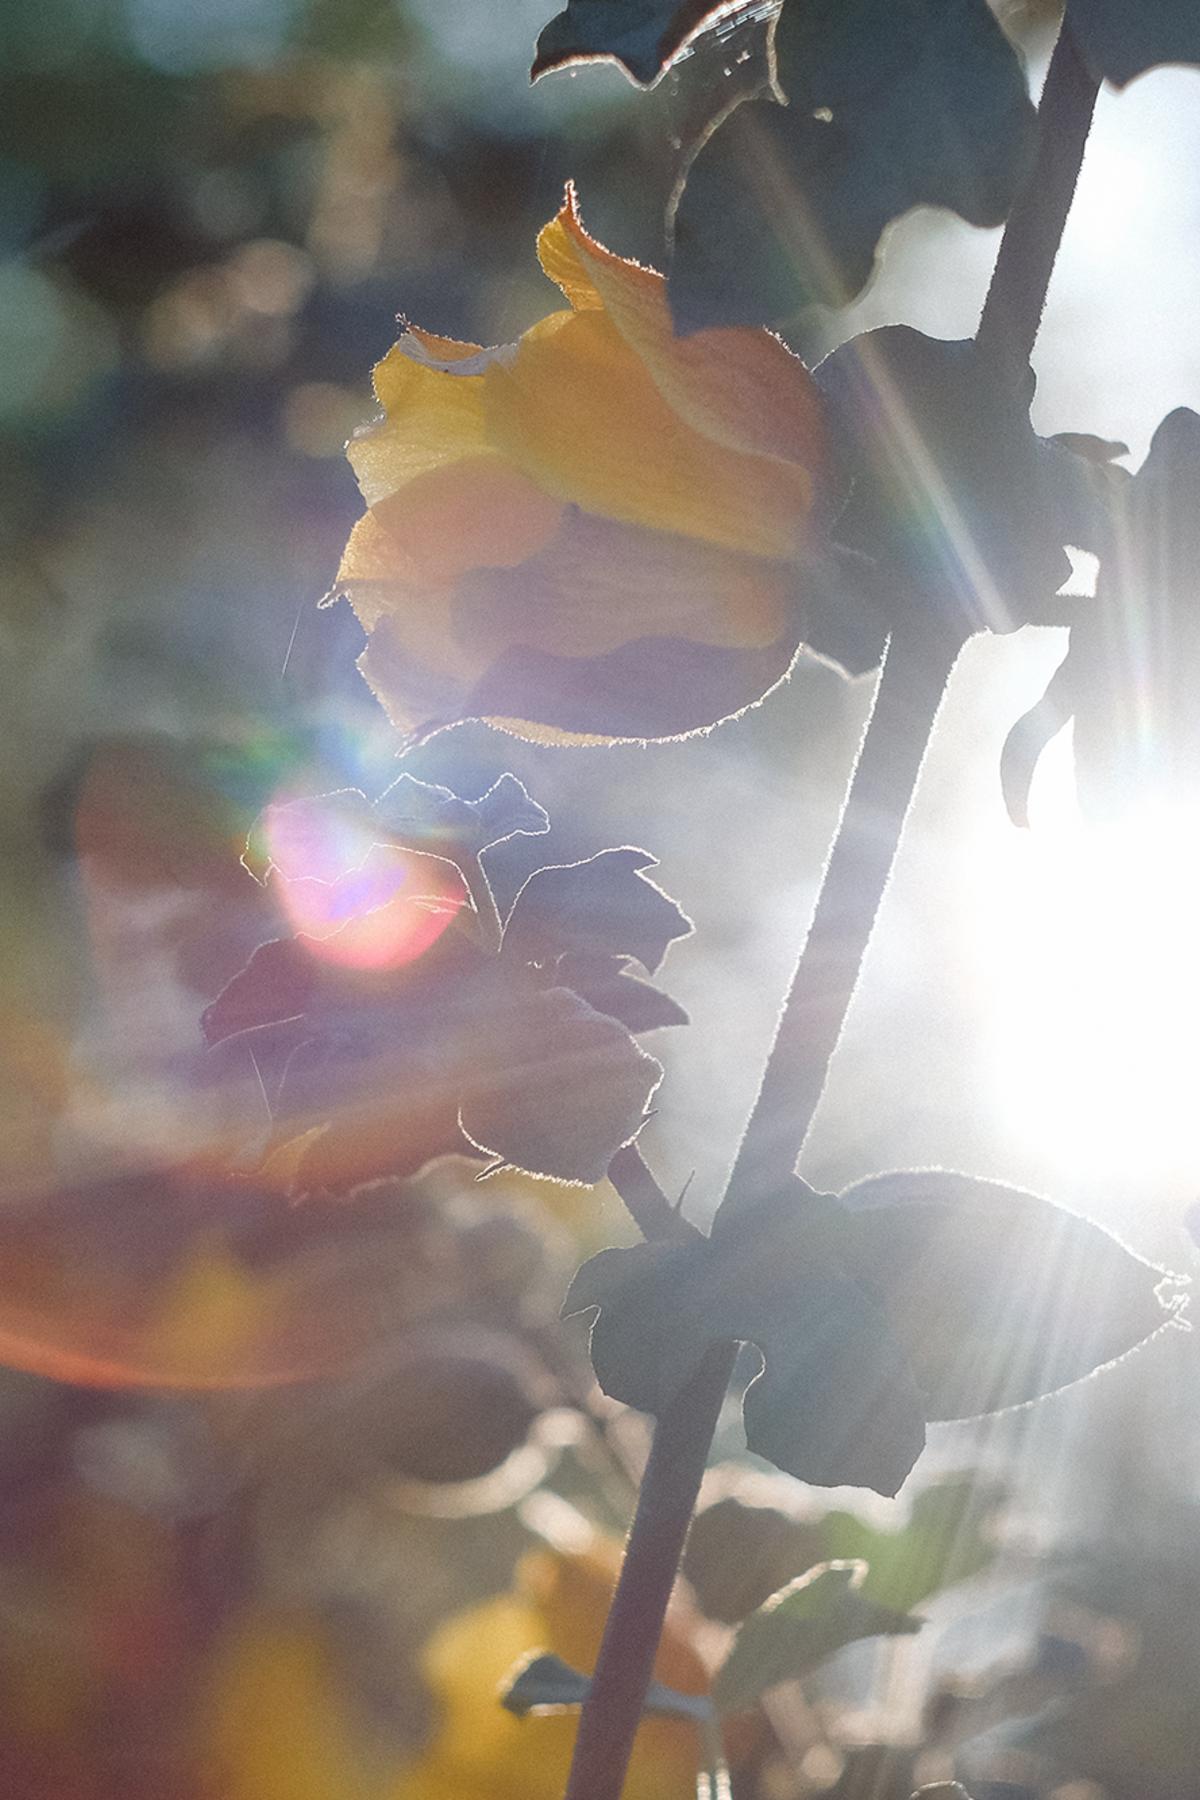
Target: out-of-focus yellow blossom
[
  {"x": 601, "y": 531},
  {"x": 481, "y": 1752}
]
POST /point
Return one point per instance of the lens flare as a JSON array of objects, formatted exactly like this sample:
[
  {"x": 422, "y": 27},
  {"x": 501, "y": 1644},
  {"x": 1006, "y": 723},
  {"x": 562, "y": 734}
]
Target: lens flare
[{"x": 362, "y": 904}]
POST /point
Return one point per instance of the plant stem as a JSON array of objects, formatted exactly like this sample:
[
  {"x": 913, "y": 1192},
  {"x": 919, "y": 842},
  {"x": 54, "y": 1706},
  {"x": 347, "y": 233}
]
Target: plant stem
[
  {"x": 647, "y": 1205},
  {"x": 910, "y": 688},
  {"x": 906, "y": 699},
  {"x": 678, "y": 1454},
  {"x": 488, "y": 922},
  {"x": 890, "y": 756},
  {"x": 1016, "y": 299}
]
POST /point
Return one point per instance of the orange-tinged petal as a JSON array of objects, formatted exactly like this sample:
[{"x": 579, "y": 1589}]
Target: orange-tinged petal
[
  {"x": 432, "y": 416},
  {"x": 741, "y": 387},
  {"x": 478, "y": 513},
  {"x": 579, "y": 412},
  {"x": 611, "y": 631},
  {"x": 598, "y": 584}
]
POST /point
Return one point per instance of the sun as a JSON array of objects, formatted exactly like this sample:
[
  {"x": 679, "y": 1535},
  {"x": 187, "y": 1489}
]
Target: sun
[{"x": 1091, "y": 952}]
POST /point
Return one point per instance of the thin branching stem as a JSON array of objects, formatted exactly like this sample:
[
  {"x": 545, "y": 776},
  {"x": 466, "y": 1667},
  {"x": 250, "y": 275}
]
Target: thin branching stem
[{"x": 650, "y": 1209}]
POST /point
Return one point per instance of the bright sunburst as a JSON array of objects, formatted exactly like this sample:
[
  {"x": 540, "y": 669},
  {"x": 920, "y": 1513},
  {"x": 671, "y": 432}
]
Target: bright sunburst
[{"x": 1093, "y": 958}]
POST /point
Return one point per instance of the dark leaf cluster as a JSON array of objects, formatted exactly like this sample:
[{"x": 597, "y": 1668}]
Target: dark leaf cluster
[
  {"x": 513, "y": 1036},
  {"x": 911, "y": 1297}
]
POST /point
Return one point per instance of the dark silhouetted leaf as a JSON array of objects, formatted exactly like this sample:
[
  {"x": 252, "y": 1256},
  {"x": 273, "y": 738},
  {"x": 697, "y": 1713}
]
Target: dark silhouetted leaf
[
  {"x": 548, "y": 1684},
  {"x": 890, "y": 104},
  {"x": 559, "y": 1087},
  {"x": 997, "y": 1296},
  {"x": 640, "y": 36},
  {"x": 962, "y": 510},
  {"x": 918, "y": 1296},
  {"x": 817, "y": 1614},
  {"x": 835, "y": 1403},
  {"x": 1130, "y": 675},
  {"x": 1122, "y": 38},
  {"x": 738, "y": 1555},
  {"x": 277, "y": 984},
  {"x": 606, "y": 983},
  {"x": 605, "y": 905}
]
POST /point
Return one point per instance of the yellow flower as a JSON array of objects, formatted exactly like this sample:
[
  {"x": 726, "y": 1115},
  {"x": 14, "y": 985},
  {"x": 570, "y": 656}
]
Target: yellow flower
[
  {"x": 481, "y": 1752},
  {"x": 602, "y": 531}
]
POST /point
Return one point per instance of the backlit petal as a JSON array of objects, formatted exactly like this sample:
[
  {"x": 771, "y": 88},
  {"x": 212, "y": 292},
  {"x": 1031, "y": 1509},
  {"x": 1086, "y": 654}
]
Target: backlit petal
[
  {"x": 579, "y": 412},
  {"x": 742, "y": 388}
]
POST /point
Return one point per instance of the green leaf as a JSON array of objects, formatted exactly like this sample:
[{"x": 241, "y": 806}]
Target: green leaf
[
  {"x": 890, "y": 104},
  {"x": 1122, "y": 38},
  {"x": 548, "y": 1684},
  {"x": 739, "y": 1554},
  {"x": 800, "y": 1627},
  {"x": 997, "y": 1296},
  {"x": 559, "y": 1087},
  {"x": 640, "y": 36},
  {"x": 944, "y": 1541},
  {"x": 605, "y": 905}
]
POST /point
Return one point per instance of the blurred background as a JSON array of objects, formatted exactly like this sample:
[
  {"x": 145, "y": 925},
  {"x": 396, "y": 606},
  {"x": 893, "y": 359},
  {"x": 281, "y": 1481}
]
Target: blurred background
[{"x": 217, "y": 1580}]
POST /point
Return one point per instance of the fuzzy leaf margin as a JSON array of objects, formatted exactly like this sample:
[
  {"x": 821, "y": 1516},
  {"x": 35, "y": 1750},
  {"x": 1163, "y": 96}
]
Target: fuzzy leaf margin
[
  {"x": 917, "y": 1296},
  {"x": 640, "y": 36},
  {"x": 888, "y": 104}
]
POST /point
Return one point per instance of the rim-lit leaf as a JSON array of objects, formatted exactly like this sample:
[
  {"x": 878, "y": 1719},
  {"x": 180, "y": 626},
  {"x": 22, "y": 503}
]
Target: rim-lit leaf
[
  {"x": 890, "y": 104},
  {"x": 419, "y": 815},
  {"x": 1130, "y": 674},
  {"x": 998, "y": 1296},
  {"x": 738, "y": 1554},
  {"x": 608, "y": 984},
  {"x": 797, "y": 1629},
  {"x": 917, "y": 1296},
  {"x": 835, "y": 1403},
  {"x": 961, "y": 509},
  {"x": 640, "y": 36},
  {"x": 560, "y": 1087},
  {"x": 606, "y": 904}
]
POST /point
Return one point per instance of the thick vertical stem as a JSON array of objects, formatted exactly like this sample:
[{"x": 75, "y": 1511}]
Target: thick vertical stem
[
  {"x": 910, "y": 686},
  {"x": 613, "y": 1709},
  {"x": 1016, "y": 298},
  {"x": 889, "y": 762}
]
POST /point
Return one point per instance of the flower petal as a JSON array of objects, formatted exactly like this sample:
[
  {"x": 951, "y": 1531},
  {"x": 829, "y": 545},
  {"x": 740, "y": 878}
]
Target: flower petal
[
  {"x": 580, "y": 413},
  {"x": 741, "y": 388},
  {"x": 609, "y": 632},
  {"x": 433, "y": 414}
]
